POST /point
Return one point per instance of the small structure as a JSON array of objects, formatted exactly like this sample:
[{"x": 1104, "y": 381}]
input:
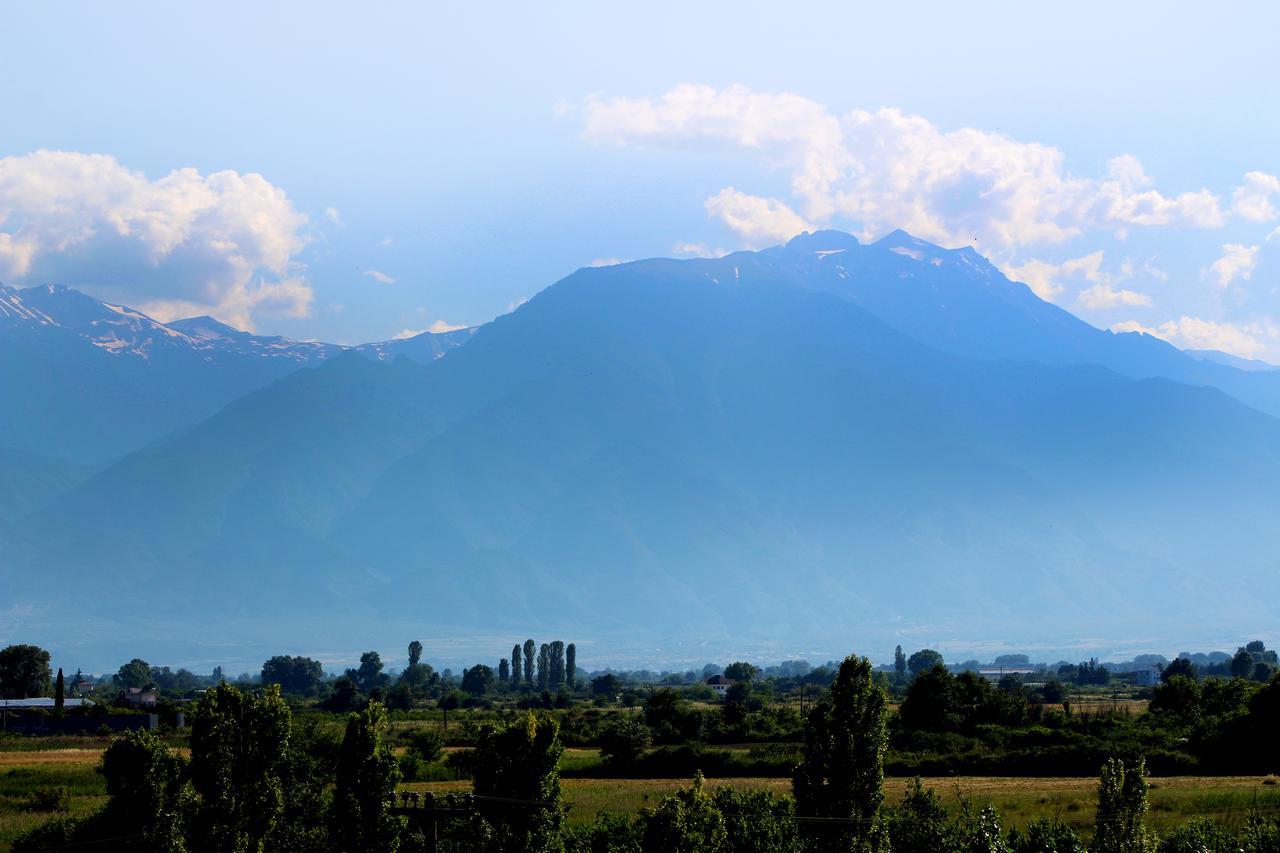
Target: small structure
[
  {"x": 719, "y": 684},
  {"x": 39, "y": 702},
  {"x": 1148, "y": 676},
  {"x": 137, "y": 697}
]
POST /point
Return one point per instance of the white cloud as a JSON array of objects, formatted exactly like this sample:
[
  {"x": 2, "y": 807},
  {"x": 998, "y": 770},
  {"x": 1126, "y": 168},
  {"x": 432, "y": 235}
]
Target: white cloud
[
  {"x": 1247, "y": 341},
  {"x": 186, "y": 243},
  {"x": 1048, "y": 281},
  {"x": 385, "y": 242},
  {"x": 380, "y": 277},
  {"x": 435, "y": 328},
  {"x": 1252, "y": 201},
  {"x": 1105, "y": 296},
  {"x": 1237, "y": 262},
  {"x": 885, "y": 169},
  {"x": 759, "y": 221},
  {"x": 606, "y": 262},
  {"x": 333, "y": 216},
  {"x": 697, "y": 250}
]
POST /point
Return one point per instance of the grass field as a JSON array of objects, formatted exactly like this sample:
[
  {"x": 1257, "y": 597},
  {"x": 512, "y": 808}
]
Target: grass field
[{"x": 1174, "y": 800}]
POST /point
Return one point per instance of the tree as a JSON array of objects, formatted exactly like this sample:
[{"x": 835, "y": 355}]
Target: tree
[
  {"x": 606, "y": 685},
  {"x": 529, "y": 651},
  {"x": 415, "y": 653},
  {"x": 544, "y": 666},
  {"x": 515, "y": 665},
  {"x": 146, "y": 787},
  {"x": 59, "y": 692},
  {"x": 1180, "y": 666},
  {"x": 518, "y": 759},
  {"x": 239, "y": 748},
  {"x": 366, "y": 786},
  {"x": 1122, "y": 809},
  {"x": 301, "y": 676},
  {"x": 623, "y": 741},
  {"x": 932, "y": 703},
  {"x": 504, "y": 670},
  {"x": 369, "y": 676},
  {"x": 346, "y": 696},
  {"x": 687, "y": 822},
  {"x": 135, "y": 673},
  {"x": 477, "y": 680},
  {"x": 923, "y": 661},
  {"x": 899, "y": 663},
  {"x": 842, "y": 772},
  {"x": 741, "y": 671},
  {"x": 571, "y": 665},
  {"x": 1242, "y": 664},
  {"x": 556, "y": 650},
  {"x": 24, "y": 672}
]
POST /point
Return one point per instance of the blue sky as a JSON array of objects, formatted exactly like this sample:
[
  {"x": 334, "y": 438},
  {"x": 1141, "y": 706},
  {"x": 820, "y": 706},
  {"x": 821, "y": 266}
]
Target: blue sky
[{"x": 351, "y": 173}]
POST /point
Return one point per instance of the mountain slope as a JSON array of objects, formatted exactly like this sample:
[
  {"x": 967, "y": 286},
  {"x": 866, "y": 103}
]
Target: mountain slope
[
  {"x": 955, "y": 300},
  {"x": 90, "y": 381},
  {"x": 668, "y": 453}
]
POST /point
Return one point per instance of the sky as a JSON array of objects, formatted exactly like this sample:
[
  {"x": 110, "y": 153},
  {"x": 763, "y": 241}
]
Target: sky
[{"x": 353, "y": 173}]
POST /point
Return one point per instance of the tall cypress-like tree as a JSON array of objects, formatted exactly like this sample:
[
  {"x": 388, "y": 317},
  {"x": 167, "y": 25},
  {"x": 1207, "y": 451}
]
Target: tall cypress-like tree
[
  {"x": 515, "y": 664},
  {"x": 415, "y": 653},
  {"x": 504, "y": 670},
  {"x": 530, "y": 650},
  {"x": 557, "y": 663},
  {"x": 842, "y": 773},
  {"x": 544, "y": 666},
  {"x": 239, "y": 751},
  {"x": 366, "y": 785},
  {"x": 59, "y": 692},
  {"x": 900, "y": 662},
  {"x": 570, "y": 664}
]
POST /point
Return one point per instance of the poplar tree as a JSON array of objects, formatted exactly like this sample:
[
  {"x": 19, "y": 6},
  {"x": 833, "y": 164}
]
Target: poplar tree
[
  {"x": 529, "y": 651},
  {"x": 59, "y": 692},
  {"x": 415, "y": 653},
  {"x": 557, "y": 663},
  {"x": 842, "y": 772},
  {"x": 570, "y": 664},
  {"x": 515, "y": 664},
  {"x": 366, "y": 786},
  {"x": 544, "y": 666},
  {"x": 504, "y": 670}
]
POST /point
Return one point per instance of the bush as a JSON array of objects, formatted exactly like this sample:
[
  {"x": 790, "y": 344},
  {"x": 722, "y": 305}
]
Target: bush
[
  {"x": 623, "y": 741},
  {"x": 428, "y": 742},
  {"x": 47, "y": 800},
  {"x": 1198, "y": 836}
]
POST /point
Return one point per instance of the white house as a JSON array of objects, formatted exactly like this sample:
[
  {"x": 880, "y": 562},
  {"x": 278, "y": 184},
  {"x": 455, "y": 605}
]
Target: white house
[
  {"x": 1148, "y": 677},
  {"x": 719, "y": 685}
]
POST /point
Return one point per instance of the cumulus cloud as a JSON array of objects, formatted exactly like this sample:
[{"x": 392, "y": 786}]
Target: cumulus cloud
[
  {"x": 697, "y": 250},
  {"x": 1246, "y": 341},
  {"x": 186, "y": 243},
  {"x": 435, "y": 328},
  {"x": 1252, "y": 201},
  {"x": 380, "y": 277},
  {"x": 757, "y": 220},
  {"x": 1047, "y": 280},
  {"x": 1237, "y": 262},
  {"x": 1101, "y": 296},
  {"x": 886, "y": 169}
]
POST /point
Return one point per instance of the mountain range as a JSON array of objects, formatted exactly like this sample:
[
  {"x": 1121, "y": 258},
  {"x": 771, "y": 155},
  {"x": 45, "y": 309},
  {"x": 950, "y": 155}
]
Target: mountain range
[{"x": 817, "y": 447}]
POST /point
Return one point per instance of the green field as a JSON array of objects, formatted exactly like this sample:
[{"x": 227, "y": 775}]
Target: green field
[{"x": 1226, "y": 799}]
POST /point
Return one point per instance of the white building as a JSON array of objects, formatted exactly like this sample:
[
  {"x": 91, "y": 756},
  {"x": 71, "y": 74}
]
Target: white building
[{"x": 719, "y": 684}]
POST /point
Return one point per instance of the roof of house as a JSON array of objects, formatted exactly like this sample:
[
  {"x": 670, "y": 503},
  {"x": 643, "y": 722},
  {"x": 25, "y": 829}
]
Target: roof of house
[
  {"x": 720, "y": 679},
  {"x": 39, "y": 702}
]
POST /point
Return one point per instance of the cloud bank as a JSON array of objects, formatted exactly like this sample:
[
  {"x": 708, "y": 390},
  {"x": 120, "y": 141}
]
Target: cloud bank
[
  {"x": 221, "y": 244},
  {"x": 886, "y": 169}
]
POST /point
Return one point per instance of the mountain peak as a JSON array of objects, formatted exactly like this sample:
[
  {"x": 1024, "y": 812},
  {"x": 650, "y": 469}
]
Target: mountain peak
[
  {"x": 208, "y": 328},
  {"x": 822, "y": 242}
]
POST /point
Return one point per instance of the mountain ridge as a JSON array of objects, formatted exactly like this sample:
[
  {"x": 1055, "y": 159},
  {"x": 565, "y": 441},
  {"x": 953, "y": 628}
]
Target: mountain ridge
[{"x": 737, "y": 449}]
